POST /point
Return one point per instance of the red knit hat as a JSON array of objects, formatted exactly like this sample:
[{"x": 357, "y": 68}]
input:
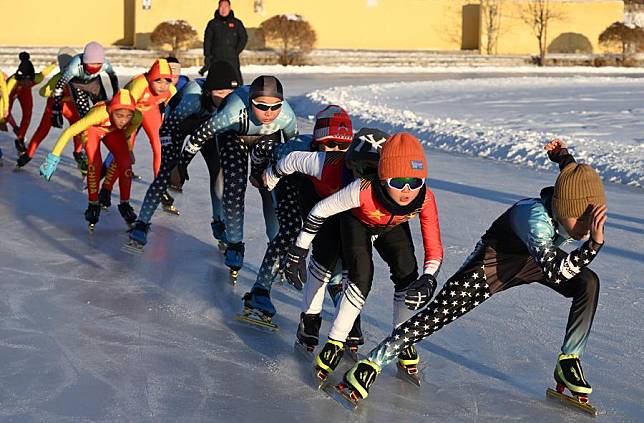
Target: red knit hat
[
  {"x": 332, "y": 123},
  {"x": 402, "y": 156}
]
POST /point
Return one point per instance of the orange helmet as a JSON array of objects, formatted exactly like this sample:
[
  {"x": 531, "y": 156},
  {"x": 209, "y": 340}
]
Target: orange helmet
[{"x": 122, "y": 100}]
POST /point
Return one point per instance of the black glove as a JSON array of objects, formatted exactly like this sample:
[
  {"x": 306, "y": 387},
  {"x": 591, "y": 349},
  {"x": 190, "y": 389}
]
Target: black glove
[
  {"x": 420, "y": 292},
  {"x": 296, "y": 266},
  {"x": 56, "y": 119}
]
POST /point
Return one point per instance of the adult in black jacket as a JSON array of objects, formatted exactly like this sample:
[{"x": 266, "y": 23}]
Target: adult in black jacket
[{"x": 224, "y": 39}]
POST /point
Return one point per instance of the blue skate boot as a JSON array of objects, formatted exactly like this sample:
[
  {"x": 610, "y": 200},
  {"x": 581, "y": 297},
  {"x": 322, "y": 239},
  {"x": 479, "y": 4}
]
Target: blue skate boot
[
  {"x": 219, "y": 232},
  {"x": 138, "y": 237},
  {"x": 258, "y": 309},
  {"x": 234, "y": 259}
]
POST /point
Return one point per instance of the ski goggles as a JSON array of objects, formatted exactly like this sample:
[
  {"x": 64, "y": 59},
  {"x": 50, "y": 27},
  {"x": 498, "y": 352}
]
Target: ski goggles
[
  {"x": 264, "y": 107},
  {"x": 413, "y": 184}
]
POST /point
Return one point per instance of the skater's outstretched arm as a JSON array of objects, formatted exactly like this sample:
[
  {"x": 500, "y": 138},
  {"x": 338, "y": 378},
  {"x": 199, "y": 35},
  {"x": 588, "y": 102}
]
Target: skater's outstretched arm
[
  {"x": 96, "y": 116},
  {"x": 306, "y": 162},
  {"x": 44, "y": 73}
]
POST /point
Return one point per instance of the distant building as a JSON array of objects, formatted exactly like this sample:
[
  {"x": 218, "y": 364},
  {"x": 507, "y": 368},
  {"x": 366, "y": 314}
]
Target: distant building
[{"x": 442, "y": 25}]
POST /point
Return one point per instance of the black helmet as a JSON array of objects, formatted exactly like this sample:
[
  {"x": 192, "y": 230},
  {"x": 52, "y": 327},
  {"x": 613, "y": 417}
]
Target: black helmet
[{"x": 364, "y": 151}]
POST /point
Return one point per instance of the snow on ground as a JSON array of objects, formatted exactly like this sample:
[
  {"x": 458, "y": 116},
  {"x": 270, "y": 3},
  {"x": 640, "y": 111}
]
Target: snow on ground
[
  {"x": 89, "y": 333},
  {"x": 602, "y": 118}
]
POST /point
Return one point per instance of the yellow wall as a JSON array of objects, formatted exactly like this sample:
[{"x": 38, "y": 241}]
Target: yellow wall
[
  {"x": 586, "y": 18},
  {"x": 350, "y": 24},
  {"x": 61, "y": 22}
]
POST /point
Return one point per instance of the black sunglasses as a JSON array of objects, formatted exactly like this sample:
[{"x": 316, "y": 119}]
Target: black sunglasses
[{"x": 264, "y": 107}]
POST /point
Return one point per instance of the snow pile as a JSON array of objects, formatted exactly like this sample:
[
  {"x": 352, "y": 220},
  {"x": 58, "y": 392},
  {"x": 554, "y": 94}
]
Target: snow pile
[{"x": 508, "y": 119}]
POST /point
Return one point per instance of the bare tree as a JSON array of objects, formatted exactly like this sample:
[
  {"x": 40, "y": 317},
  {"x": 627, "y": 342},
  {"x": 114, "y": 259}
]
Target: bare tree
[
  {"x": 539, "y": 14},
  {"x": 630, "y": 38},
  {"x": 179, "y": 34},
  {"x": 491, "y": 16},
  {"x": 293, "y": 35}
]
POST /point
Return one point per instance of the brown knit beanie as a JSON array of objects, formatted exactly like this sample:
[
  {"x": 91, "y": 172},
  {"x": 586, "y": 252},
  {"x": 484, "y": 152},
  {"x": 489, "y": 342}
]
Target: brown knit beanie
[
  {"x": 577, "y": 186},
  {"x": 402, "y": 156}
]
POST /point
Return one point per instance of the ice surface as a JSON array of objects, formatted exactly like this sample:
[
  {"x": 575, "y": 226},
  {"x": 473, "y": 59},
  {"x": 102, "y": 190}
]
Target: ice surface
[{"x": 92, "y": 334}]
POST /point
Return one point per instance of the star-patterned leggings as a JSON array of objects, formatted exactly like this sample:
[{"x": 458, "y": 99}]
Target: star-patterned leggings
[
  {"x": 290, "y": 222},
  {"x": 233, "y": 154},
  {"x": 486, "y": 272}
]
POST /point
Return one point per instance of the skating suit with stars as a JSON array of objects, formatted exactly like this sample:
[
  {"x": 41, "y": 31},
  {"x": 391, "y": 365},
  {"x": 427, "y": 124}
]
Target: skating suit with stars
[
  {"x": 86, "y": 88},
  {"x": 22, "y": 93},
  {"x": 522, "y": 246},
  {"x": 324, "y": 172},
  {"x": 235, "y": 117},
  {"x": 187, "y": 105}
]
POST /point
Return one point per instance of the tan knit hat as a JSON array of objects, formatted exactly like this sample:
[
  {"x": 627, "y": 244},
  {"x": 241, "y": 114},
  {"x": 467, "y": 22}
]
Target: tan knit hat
[
  {"x": 402, "y": 156},
  {"x": 577, "y": 186}
]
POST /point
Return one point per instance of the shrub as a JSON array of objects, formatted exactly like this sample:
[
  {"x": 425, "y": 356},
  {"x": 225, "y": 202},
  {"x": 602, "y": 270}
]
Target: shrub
[{"x": 291, "y": 34}]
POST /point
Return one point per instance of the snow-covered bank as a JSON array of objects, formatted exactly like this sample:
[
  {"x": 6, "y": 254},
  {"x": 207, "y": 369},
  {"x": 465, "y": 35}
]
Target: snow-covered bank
[{"x": 509, "y": 119}]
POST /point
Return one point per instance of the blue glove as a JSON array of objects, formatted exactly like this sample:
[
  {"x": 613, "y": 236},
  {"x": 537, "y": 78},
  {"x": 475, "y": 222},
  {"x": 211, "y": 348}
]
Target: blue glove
[{"x": 48, "y": 166}]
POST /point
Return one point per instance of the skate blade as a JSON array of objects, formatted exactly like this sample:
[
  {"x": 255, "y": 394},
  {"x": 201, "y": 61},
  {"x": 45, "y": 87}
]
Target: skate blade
[
  {"x": 257, "y": 323},
  {"x": 304, "y": 352},
  {"x": 340, "y": 395},
  {"x": 572, "y": 401},
  {"x": 176, "y": 189},
  {"x": 171, "y": 210},
  {"x": 221, "y": 246},
  {"x": 132, "y": 247},
  {"x": 91, "y": 227},
  {"x": 402, "y": 374},
  {"x": 234, "y": 274}
]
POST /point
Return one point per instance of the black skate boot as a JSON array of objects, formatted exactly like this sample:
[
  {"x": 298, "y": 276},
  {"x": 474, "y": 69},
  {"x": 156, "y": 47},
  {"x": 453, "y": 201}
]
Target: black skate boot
[
  {"x": 354, "y": 340},
  {"x": 105, "y": 198},
  {"x": 358, "y": 379},
  {"x": 308, "y": 331},
  {"x": 92, "y": 214},
  {"x": 219, "y": 232},
  {"x": 167, "y": 202},
  {"x": 328, "y": 359},
  {"x": 23, "y": 159},
  {"x": 408, "y": 360},
  {"x": 81, "y": 162},
  {"x": 127, "y": 212},
  {"x": 20, "y": 146},
  {"x": 234, "y": 259},
  {"x": 568, "y": 373}
]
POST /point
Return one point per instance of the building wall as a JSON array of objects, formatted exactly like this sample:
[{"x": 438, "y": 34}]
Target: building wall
[
  {"x": 62, "y": 22},
  {"x": 584, "y": 20},
  {"x": 343, "y": 24}
]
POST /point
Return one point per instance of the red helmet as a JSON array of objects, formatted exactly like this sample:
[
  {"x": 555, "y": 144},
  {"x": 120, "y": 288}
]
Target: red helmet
[{"x": 332, "y": 124}]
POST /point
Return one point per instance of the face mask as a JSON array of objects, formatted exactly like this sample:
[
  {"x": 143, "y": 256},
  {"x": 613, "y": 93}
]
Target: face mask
[{"x": 92, "y": 68}]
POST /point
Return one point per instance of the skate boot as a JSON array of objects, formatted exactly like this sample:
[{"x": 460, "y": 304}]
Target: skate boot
[
  {"x": 23, "y": 159},
  {"x": 258, "y": 309},
  {"x": 168, "y": 204},
  {"x": 408, "y": 360},
  {"x": 234, "y": 259},
  {"x": 568, "y": 374},
  {"x": 308, "y": 331},
  {"x": 105, "y": 198},
  {"x": 138, "y": 237},
  {"x": 91, "y": 215},
  {"x": 328, "y": 359},
  {"x": 354, "y": 340},
  {"x": 127, "y": 213},
  {"x": 358, "y": 379},
  {"x": 20, "y": 146},
  {"x": 219, "y": 232},
  {"x": 81, "y": 162}
]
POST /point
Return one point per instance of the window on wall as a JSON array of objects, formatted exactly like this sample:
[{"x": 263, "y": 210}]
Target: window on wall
[
  {"x": 372, "y": 3},
  {"x": 258, "y": 6},
  {"x": 147, "y": 4}
]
